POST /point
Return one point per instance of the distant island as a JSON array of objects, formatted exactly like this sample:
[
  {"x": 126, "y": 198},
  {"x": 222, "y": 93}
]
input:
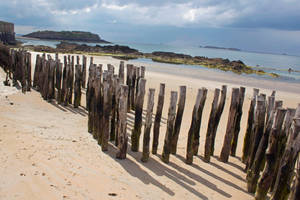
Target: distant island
[
  {"x": 224, "y": 48},
  {"x": 79, "y": 36}
]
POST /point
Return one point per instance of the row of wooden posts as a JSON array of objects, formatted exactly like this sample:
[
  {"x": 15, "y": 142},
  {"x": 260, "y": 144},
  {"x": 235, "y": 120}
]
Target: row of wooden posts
[
  {"x": 271, "y": 142},
  {"x": 17, "y": 67},
  {"x": 271, "y": 148}
]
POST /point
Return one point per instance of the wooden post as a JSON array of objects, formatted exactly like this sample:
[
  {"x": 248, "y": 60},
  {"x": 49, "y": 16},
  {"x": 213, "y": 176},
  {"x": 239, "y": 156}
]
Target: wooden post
[
  {"x": 51, "y": 90},
  {"x": 296, "y": 192},
  {"x": 113, "y": 109},
  {"x": 170, "y": 128},
  {"x": 285, "y": 173},
  {"x": 37, "y": 71},
  {"x": 28, "y": 65},
  {"x": 193, "y": 128},
  {"x": 218, "y": 117},
  {"x": 71, "y": 81},
  {"x": 258, "y": 129},
  {"x": 121, "y": 72},
  {"x": 83, "y": 71},
  {"x": 45, "y": 79},
  {"x": 77, "y": 85},
  {"x": 158, "y": 114},
  {"x": 117, "y": 117},
  {"x": 270, "y": 107},
  {"x": 211, "y": 125},
  {"x": 58, "y": 80},
  {"x": 97, "y": 104},
  {"x": 106, "y": 114},
  {"x": 148, "y": 124},
  {"x": 136, "y": 132},
  {"x": 132, "y": 89},
  {"x": 247, "y": 137},
  {"x": 122, "y": 124},
  {"x": 237, "y": 125},
  {"x": 265, "y": 180},
  {"x": 230, "y": 125},
  {"x": 180, "y": 110},
  {"x": 143, "y": 69},
  {"x": 90, "y": 96},
  {"x": 196, "y": 134},
  {"x": 64, "y": 81},
  {"x": 254, "y": 169},
  {"x": 129, "y": 83}
]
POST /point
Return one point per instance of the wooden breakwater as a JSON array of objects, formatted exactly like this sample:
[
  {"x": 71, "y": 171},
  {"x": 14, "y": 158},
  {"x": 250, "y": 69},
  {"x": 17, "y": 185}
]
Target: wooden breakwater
[{"x": 271, "y": 143}]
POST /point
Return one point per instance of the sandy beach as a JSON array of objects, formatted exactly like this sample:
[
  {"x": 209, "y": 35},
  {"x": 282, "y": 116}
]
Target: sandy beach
[{"x": 47, "y": 153}]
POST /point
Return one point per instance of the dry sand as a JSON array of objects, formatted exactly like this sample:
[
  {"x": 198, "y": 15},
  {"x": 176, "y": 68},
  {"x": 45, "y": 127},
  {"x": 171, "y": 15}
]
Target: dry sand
[{"x": 47, "y": 153}]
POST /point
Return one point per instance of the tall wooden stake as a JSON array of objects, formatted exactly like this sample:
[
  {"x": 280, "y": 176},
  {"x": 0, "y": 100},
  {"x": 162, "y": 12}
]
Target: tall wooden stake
[
  {"x": 148, "y": 124},
  {"x": 180, "y": 109},
  {"x": 158, "y": 114},
  {"x": 136, "y": 132},
  {"x": 170, "y": 128}
]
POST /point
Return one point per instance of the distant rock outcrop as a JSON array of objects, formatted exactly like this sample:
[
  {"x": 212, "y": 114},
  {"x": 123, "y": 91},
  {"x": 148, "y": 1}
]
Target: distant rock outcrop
[
  {"x": 7, "y": 33},
  {"x": 79, "y": 36},
  {"x": 113, "y": 49}
]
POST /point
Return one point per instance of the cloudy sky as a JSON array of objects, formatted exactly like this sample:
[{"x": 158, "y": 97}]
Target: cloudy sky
[{"x": 255, "y": 25}]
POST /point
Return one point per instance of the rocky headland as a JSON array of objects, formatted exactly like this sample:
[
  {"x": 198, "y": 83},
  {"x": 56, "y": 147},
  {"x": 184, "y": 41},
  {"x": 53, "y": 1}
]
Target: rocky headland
[{"x": 79, "y": 36}]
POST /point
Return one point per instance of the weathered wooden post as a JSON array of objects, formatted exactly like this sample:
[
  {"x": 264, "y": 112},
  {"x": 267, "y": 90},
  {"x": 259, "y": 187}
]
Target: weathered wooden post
[
  {"x": 136, "y": 132},
  {"x": 148, "y": 124},
  {"x": 37, "y": 70},
  {"x": 58, "y": 80},
  {"x": 97, "y": 104},
  {"x": 230, "y": 125},
  {"x": 45, "y": 79},
  {"x": 196, "y": 134},
  {"x": 51, "y": 91},
  {"x": 218, "y": 117},
  {"x": 193, "y": 128},
  {"x": 77, "y": 85},
  {"x": 64, "y": 81},
  {"x": 132, "y": 89},
  {"x": 286, "y": 168},
  {"x": 258, "y": 128},
  {"x": 247, "y": 137},
  {"x": 180, "y": 110},
  {"x": 71, "y": 81},
  {"x": 258, "y": 161},
  {"x": 211, "y": 125},
  {"x": 158, "y": 114},
  {"x": 265, "y": 180},
  {"x": 113, "y": 109},
  {"x": 90, "y": 96},
  {"x": 270, "y": 107},
  {"x": 121, "y": 72},
  {"x": 83, "y": 71},
  {"x": 129, "y": 83},
  {"x": 143, "y": 69},
  {"x": 122, "y": 123},
  {"x": 296, "y": 192},
  {"x": 237, "y": 125},
  {"x": 106, "y": 114},
  {"x": 170, "y": 128},
  {"x": 28, "y": 65}
]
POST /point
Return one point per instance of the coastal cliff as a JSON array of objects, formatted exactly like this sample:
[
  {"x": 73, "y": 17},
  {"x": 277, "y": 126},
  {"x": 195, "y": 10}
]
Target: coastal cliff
[
  {"x": 7, "y": 33},
  {"x": 79, "y": 36}
]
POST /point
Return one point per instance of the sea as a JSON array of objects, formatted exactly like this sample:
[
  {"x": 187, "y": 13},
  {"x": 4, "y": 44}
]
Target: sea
[{"x": 276, "y": 63}]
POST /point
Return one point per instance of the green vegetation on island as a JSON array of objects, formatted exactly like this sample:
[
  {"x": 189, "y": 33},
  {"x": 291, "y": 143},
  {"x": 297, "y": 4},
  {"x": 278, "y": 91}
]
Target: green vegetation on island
[{"x": 79, "y": 36}]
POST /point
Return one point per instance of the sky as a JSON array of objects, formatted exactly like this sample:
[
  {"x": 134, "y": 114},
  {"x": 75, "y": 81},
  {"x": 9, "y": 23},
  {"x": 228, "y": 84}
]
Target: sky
[{"x": 252, "y": 25}]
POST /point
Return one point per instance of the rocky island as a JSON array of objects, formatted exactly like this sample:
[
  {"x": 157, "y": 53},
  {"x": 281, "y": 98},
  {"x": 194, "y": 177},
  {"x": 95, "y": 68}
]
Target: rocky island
[
  {"x": 223, "y": 48},
  {"x": 79, "y": 36}
]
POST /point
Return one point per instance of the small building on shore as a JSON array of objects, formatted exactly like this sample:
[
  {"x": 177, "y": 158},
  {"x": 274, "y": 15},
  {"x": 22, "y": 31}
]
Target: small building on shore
[{"x": 7, "y": 33}]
